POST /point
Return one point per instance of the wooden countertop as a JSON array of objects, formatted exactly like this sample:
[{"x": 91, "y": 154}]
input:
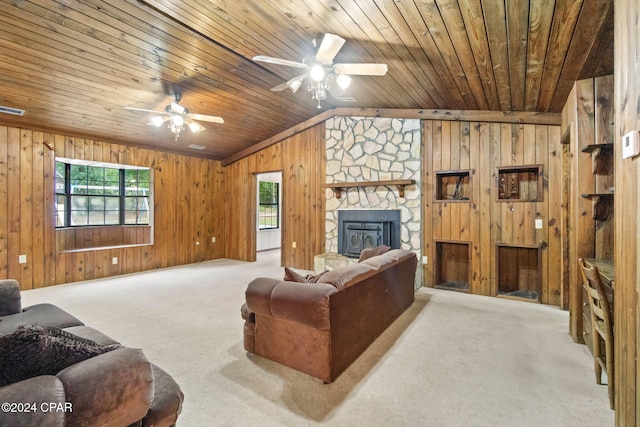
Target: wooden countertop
[{"x": 605, "y": 268}]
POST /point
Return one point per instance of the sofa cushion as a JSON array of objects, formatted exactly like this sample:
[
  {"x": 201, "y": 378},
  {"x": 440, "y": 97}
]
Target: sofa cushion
[
  {"x": 371, "y": 252},
  {"x": 37, "y": 350},
  {"x": 292, "y": 276},
  {"x": 89, "y": 333},
  {"x": 9, "y": 297},
  {"x": 39, "y": 314},
  {"x": 345, "y": 276}
]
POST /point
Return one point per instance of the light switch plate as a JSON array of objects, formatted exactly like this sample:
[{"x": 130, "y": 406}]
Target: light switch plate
[
  {"x": 538, "y": 224},
  {"x": 631, "y": 144}
]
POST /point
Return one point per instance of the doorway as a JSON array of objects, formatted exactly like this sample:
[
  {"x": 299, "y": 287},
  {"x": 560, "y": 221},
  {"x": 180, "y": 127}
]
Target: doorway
[{"x": 269, "y": 211}]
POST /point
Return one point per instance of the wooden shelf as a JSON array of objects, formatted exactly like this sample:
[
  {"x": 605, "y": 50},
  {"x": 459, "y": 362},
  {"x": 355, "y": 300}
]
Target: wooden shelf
[
  {"x": 519, "y": 183},
  {"x": 453, "y": 185},
  {"x": 601, "y": 158},
  {"x": 603, "y": 205},
  {"x": 598, "y": 195},
  {"x": 593, "y": 147},
  {"x": 399, "y": 183}
]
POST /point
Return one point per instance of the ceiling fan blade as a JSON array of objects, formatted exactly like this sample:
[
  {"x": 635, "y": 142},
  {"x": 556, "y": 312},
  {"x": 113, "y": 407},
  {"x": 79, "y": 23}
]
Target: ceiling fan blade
[
  {"x": 361, "y": 69},
  {"x": 293, "y": 84},
  {"x": 278, "y": 61},
  {"x": 194, "y": 126},
  {"x": 158, "y": 120},
  {"x": 146, "y": 111},
  {"x": 205, "y": 118},
  {"x": 281, "y": 86},
  {"x": 329, "y": 48}
]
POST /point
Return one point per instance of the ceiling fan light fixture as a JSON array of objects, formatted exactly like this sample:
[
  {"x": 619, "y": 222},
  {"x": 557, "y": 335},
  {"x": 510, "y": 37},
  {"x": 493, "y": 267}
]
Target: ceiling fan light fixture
[
  {"x": 157, "y": 121},
  {"x": 294, "y": 85},
  {"x": 316, "y": 72},
  {"x": 343, "y": 81},
  {"x": 196, "y": 127},
  {"x": 177, "y": 121}
]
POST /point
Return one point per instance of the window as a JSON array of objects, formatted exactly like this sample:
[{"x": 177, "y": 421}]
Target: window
[
  {"x": 88, "y": 194},
  {"x": 268, "y": 212}
]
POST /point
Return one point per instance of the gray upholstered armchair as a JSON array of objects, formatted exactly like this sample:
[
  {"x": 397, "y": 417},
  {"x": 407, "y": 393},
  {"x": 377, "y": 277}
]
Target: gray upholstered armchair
[{"x": 100, "y": 383}]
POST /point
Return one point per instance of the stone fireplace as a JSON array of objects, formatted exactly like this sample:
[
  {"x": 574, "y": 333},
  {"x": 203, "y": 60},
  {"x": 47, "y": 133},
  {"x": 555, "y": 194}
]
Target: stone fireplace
[
  {"x": 366, "y": 149},
  {"x": 362, "y": 229}
]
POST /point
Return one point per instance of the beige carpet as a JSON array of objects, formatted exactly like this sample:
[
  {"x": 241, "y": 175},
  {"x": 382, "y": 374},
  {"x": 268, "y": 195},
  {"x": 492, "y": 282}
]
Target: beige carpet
[{"x": 451, "y": 360}]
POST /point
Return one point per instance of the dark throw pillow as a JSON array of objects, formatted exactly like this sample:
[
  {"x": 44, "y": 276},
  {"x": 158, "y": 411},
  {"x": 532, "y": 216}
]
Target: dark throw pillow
[
  {"x": 371, "y": 252},
  {"x": 35, "y": 350},
  {"x": 292, "y": 276}
]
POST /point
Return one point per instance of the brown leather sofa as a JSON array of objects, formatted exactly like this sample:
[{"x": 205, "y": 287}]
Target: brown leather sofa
[
  {"x": 321, "y": 328},
  {"x": 119, "y": 387}
]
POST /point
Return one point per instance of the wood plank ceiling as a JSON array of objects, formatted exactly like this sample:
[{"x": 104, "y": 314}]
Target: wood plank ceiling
[{"x": 74, "y": 65}]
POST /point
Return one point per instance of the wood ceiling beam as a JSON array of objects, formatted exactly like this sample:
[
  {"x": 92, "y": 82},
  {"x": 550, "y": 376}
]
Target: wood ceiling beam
[{"x": 449, "y": 115}]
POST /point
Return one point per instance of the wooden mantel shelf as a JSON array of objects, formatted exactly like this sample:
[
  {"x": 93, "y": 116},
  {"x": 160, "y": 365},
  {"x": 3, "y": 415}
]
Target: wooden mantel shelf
[{"x": 399, "y": 183}]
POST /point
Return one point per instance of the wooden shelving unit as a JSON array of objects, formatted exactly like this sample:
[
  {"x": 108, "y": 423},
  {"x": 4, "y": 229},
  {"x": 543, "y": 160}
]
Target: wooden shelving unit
[
  {"x": 603, "y": 206},
  {"x": 518, "y": 272},
  {"x": 519, "y": 183},
  {"x": 453, "y": 265},
  {"x": 453, "y": 186},
  {"x": 601, "y": 158},
  {"x": 337, "y": 187}
]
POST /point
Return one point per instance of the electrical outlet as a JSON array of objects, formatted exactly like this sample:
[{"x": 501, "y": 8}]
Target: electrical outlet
[
  {"x": 197, "y": 243},
  {"x": 538, "y": 224},
  {"x": 213, "y": 240},
  {"x": 294, "y": 245},
  {"x": 425, "y": 260},
  {"x": 114, "y": 260},
  {"x": 22, "y": 259}
]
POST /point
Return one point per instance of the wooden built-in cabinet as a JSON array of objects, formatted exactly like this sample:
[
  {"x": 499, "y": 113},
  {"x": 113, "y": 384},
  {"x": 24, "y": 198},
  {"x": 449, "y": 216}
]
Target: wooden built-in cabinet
[
  {"x": 587, "y": 121},
  {"x": 453, "y": 186},
  {"x": 469, "y": 223},
  {"x": 519, "y": 183}
]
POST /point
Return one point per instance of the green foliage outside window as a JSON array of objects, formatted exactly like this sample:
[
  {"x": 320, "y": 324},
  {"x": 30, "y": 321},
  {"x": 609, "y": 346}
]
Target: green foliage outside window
[
  {"x": 96, "y": 195},
  {"x": 269, "y": 206}
]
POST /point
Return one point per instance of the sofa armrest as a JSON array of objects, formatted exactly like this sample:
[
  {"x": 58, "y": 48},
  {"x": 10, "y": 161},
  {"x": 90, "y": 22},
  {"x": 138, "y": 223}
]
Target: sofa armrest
[
  {"x": 112, "y": 389},
  {"x": 305, "y": 303},
  {"x": 31, "y": 394},
  {"x": 10, "y": 299}
]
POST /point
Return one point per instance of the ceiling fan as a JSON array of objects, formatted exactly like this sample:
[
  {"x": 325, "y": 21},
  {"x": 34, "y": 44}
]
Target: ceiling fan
[
  {"x": 321, "y": 73},
  {"x": 178, "y": 116}
]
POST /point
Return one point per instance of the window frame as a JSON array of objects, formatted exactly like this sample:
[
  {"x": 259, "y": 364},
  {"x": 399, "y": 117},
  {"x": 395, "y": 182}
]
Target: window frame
[
  {"x": 68, "y": 194},
  {"x": 270, "y": 206}
]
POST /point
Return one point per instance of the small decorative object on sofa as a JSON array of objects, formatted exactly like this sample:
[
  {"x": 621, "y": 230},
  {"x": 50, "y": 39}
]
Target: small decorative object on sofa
[
  {"x": 321, "y": 328},
  {"x": 48, "y": 357}
]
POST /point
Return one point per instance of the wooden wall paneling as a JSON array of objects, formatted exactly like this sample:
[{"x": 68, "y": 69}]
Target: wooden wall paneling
[
  {"x": 627, "y": 215},
  {"x": 49, "y": 219},
  {"x": 30, "y": 219},
  {"x": 38, "y": 209},
  {"x": 4, "y": 202},
  {"x": 474, "y": 214},
  {"x": 530, "y": 157},
  {"x": 436, "y": 165},
  {"x": 13, "y": 204},
  {"x": 453, "y": 216},
  {"x": 464, "y": 163},
  {"x": 25, "y": 207},
  {"x": 555, "y": 216},
  {"x": 495, "y": 141},
  {"x": 605, "y": 179},
  {"x": 483, "y": 197},
  {"x": 428, "y": 197},
  {"x": 582, "y": 216}
]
